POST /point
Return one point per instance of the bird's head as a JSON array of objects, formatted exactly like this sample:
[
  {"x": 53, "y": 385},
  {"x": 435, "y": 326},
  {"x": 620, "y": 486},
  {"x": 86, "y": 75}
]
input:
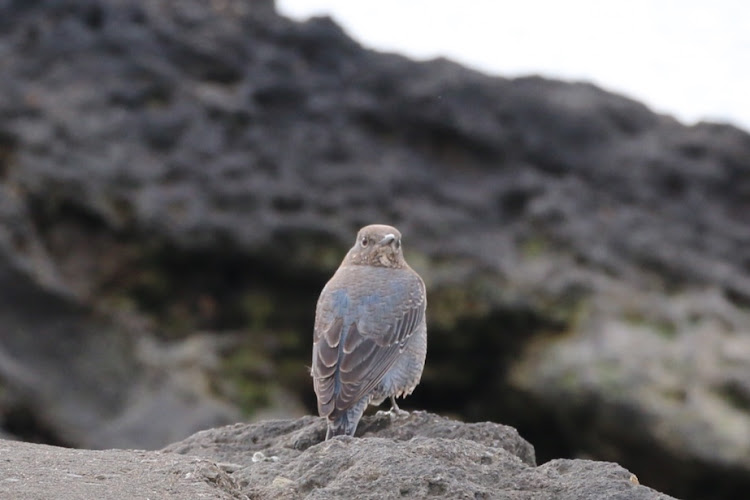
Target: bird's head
[{"x": 377, "y": 245}]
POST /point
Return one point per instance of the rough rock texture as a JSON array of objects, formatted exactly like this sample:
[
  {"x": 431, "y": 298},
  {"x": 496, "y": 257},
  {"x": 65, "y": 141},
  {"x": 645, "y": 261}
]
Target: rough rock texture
[
  {"x": 416, "y": 457},
  {"x": 179, "y": 179},
  {"x": 35, "y": 471},
  {"x": 420, "y": 456}
]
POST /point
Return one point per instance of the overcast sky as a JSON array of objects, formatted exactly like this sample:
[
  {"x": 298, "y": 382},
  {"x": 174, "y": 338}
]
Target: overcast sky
[{"x": 687, "y": 58}]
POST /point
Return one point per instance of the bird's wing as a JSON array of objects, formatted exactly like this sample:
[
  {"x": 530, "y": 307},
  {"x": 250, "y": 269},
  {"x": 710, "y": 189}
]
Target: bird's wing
[{"x": 357, "y": 339}]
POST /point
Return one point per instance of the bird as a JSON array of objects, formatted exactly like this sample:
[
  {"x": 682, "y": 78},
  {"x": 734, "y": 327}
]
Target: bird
[{"x": 370, "y": 334}]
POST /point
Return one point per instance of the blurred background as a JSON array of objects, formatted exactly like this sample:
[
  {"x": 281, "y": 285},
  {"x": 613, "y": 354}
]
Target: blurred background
[{"x": 178, "y": 180}]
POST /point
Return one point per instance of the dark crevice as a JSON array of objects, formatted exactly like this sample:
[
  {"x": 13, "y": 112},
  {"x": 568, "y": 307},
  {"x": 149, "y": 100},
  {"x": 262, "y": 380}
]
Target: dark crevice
[
  {"x": 48, "y": 213},
  {"x": 224, "y": 290},
  {"x": 737, "y": 394},
  {"x": 25, "y": 425},
  {"x": 475, "y": 349},
  {"x": 7, "y": 149},
  {"x": 738, "y": 297},
  {"x": 94, "y": 16},
  {"x": 212, "y": 65}
]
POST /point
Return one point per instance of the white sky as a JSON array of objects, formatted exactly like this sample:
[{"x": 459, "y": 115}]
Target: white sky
[{"x": 687, "y": 58}]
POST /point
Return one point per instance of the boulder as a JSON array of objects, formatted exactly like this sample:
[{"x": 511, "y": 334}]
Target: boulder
[{"x": 421, "y": 456}]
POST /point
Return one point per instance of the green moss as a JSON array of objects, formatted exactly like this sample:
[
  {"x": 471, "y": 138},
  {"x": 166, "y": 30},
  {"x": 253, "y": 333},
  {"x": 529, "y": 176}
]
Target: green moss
[
  {"x": 252, "y": 396},
  {"x": 666, "y": 328},
  {"x": 571, "y": 309},
  {"x": 247, "y": 378},
  {"x": 675, "y": 394},
  {"x": 447, "y": 305},
  {"x": 328, "y": 257},
  {"x": 419, "y": 261},
  {"x": 291, "y": 339},
  {"x": 609, "y": 376},
  {"x": 663, "y": 327},
  {"x": 263, "y": 363},
  {"x": 570, "y": 380},
  {"x": 312, "y": 251},
  {"x": 150, "y": 287},
  {"x": 534, "y": 247},
  {"x": 257, "y": 307},
  {"x": 178, "y": 321}
]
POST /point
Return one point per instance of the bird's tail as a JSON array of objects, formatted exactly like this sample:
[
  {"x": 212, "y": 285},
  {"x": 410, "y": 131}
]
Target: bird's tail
[
  {"x": 345, "y": 423},
  {"x": 341, "y": 426}
]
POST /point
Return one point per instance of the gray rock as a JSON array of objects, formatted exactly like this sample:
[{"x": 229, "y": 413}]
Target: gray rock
[
  {"x": 677, "y": 371},
  {"x": 109, "y": 389},
  {"x": 419, "y": 456},
  {"x": 34, "y": 471},
  {"x": 282, "y": 437}
]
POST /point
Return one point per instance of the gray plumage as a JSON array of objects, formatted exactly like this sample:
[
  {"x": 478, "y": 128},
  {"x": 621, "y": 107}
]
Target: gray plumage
[{"x": 370, "y": 337}]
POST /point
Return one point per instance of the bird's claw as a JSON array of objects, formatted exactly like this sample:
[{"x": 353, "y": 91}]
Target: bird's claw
[
  {"x": 398, "y": 413},
  {"x": 395, "y": 411}
]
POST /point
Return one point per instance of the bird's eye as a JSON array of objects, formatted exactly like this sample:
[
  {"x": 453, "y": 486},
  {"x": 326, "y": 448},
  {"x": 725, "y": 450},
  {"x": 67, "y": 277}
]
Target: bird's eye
[
  {"x": 398, "y": 244},
  {"x": 364, "y": 241}
]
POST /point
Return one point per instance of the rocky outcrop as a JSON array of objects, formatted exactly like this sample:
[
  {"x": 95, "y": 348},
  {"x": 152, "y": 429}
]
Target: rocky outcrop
[
  {"x": 415, "y": 457},
  {"x": 178, "y": 180},
  {"x": 69, "y": 376}
]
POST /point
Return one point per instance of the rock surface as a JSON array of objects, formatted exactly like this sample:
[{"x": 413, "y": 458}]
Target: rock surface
[
  {"x": 179, "y": 179},
  {"x": 34, "y": 471},
  {"x": 415, "y": 457}
]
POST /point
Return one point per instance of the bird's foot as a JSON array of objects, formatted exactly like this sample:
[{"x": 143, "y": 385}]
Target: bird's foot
[
  {"x": 398, "y": 413},
  {"x": 395, "y": 411}
]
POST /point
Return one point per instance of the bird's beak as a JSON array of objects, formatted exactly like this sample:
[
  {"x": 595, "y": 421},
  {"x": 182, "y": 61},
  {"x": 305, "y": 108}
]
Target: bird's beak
[{"x": 388, "y": 239}]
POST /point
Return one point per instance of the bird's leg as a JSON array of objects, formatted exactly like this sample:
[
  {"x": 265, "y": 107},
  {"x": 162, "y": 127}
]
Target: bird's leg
[{"x": 395, "y": 410}]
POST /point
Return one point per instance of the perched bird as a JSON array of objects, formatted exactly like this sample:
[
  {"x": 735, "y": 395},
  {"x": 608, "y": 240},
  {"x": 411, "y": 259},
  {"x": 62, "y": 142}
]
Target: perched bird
[{"x": 370, "y": 337}]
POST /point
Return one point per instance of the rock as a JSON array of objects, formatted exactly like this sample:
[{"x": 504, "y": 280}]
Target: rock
[
  {"x": 418, "y": 456},
  {"x": 280, "y": 437},
  {"x": 108, "y": 390},
  {"x": 676, "y": 374},
  {"x": 32, "y": 471},
  {"x": 169, "y": 168}
]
